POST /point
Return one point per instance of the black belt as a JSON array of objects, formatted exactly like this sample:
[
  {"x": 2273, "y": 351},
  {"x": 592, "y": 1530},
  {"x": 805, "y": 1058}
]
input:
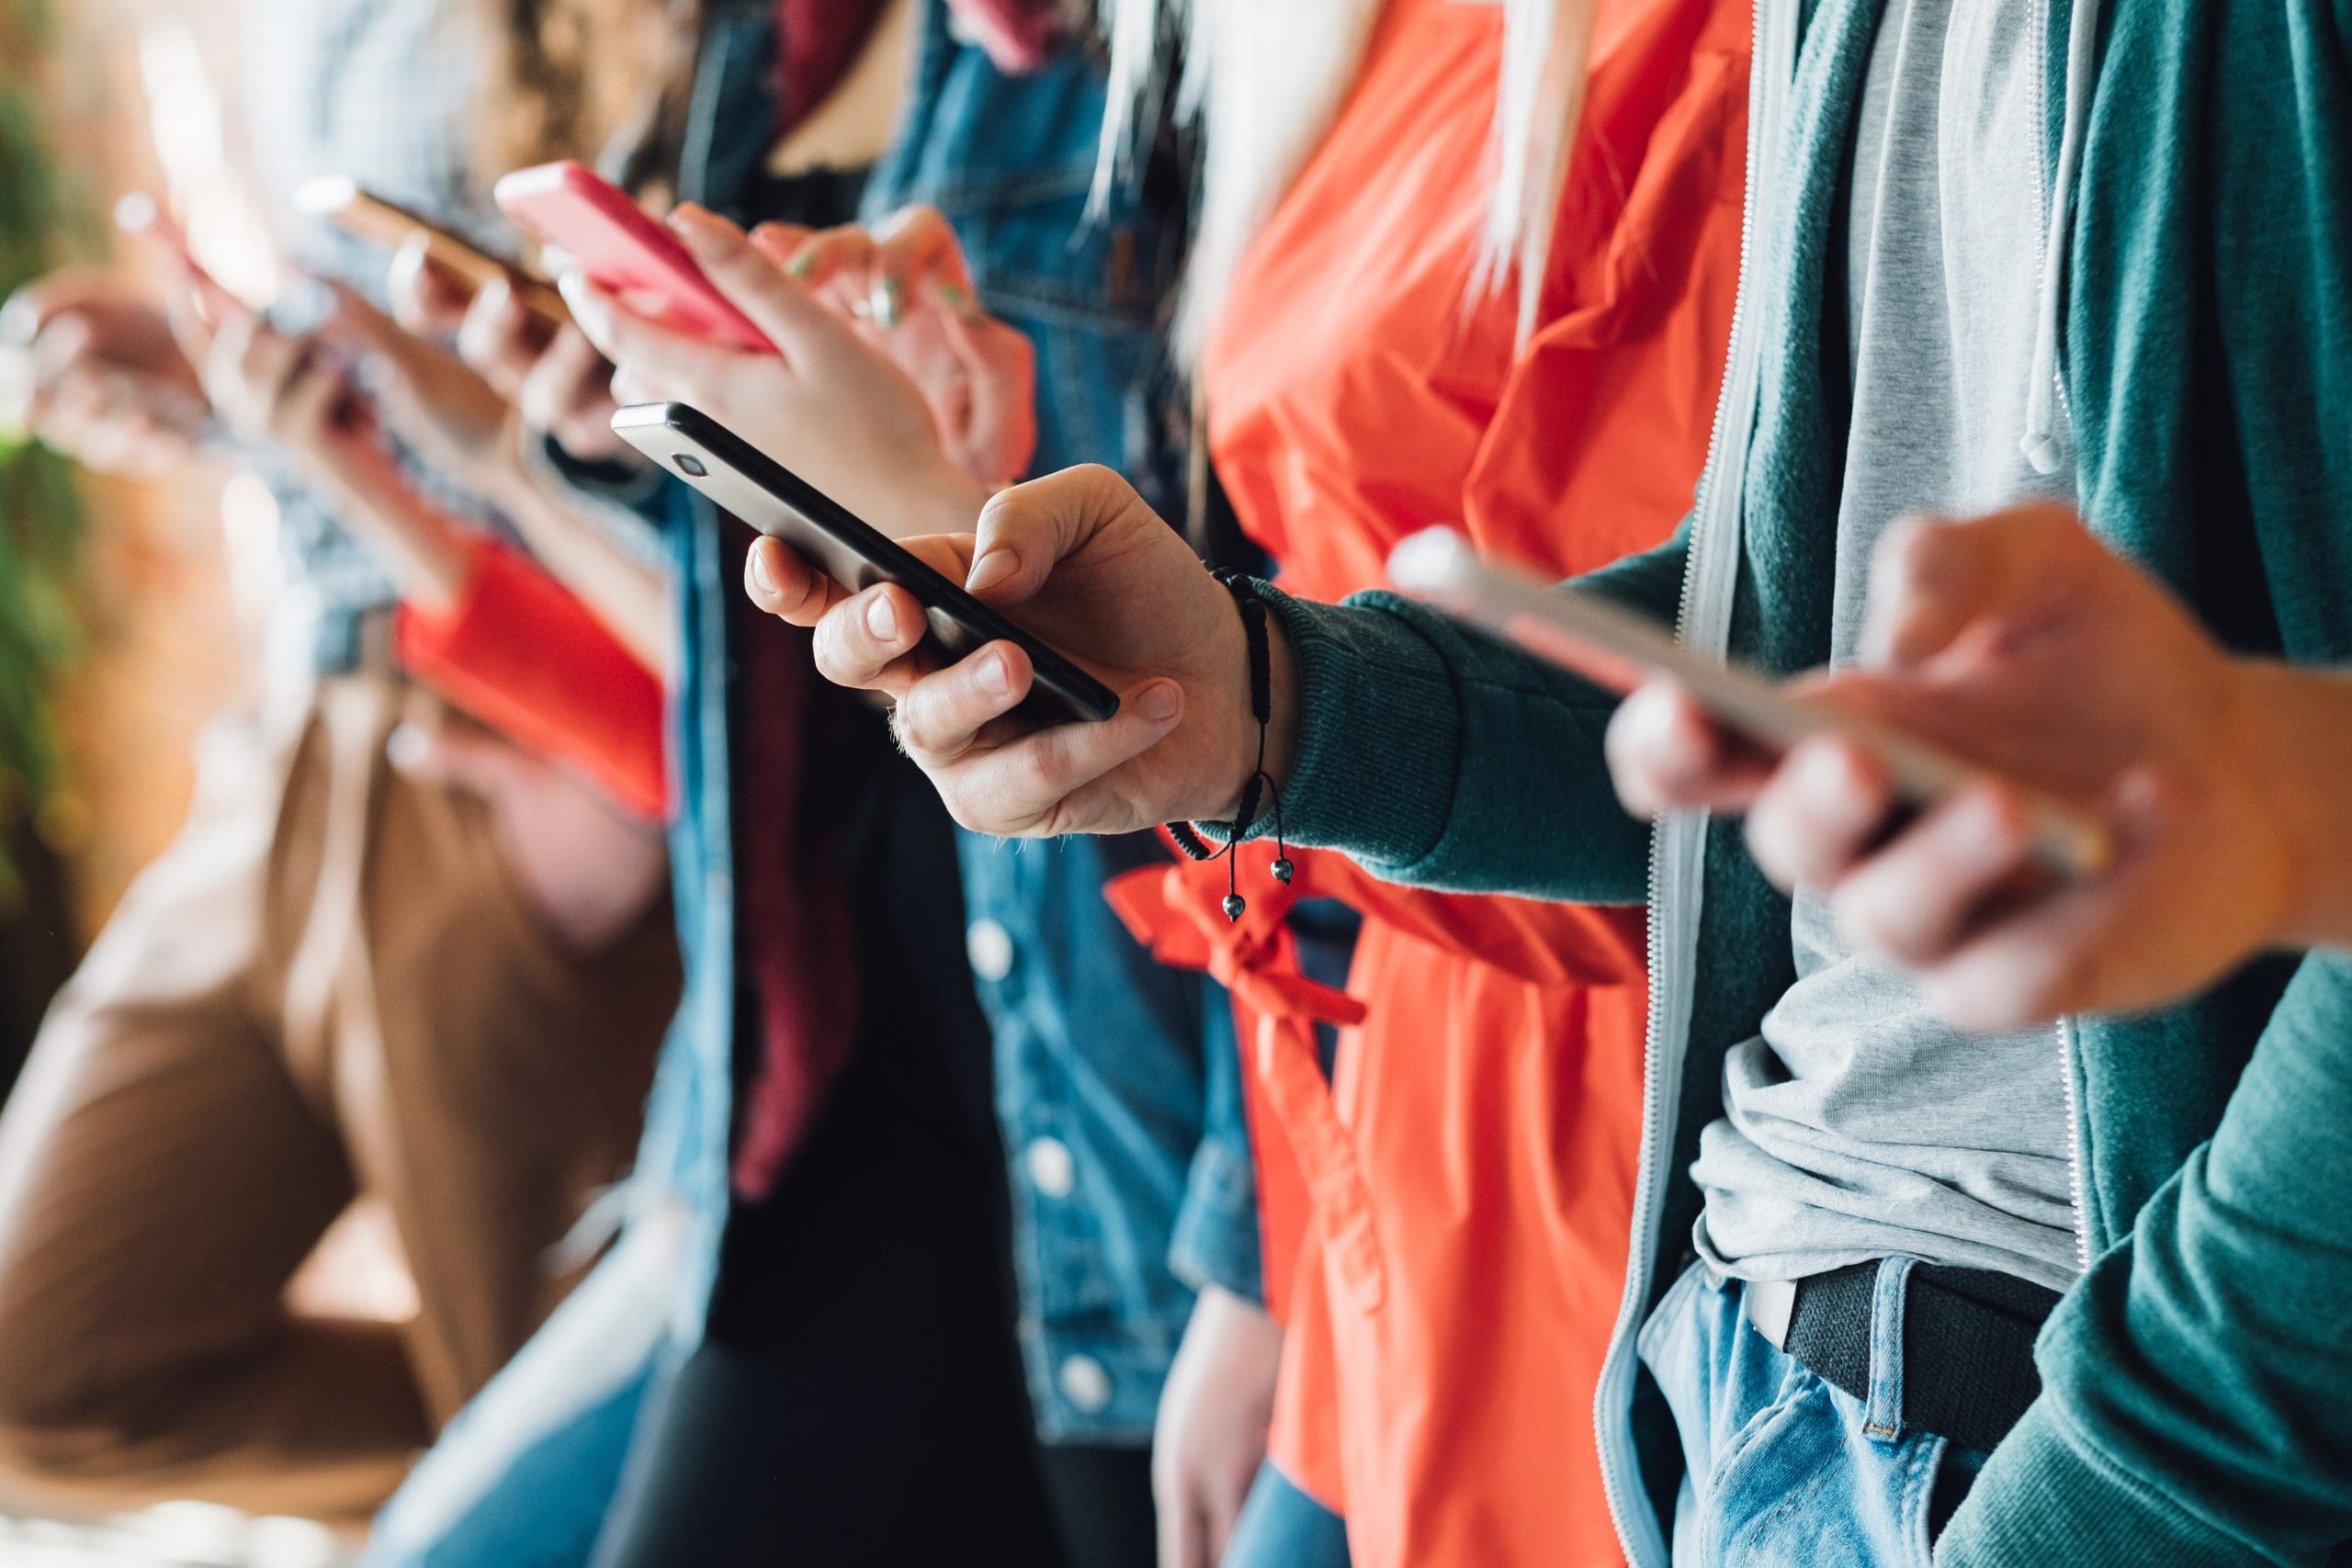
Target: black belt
[{"x": 1968, "y": 1372}]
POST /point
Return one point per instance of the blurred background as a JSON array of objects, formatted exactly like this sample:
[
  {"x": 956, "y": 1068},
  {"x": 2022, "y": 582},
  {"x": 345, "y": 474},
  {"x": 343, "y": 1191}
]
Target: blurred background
[
  {"x": 116, "y": 635},
  {"x": 120, "y": 625}
]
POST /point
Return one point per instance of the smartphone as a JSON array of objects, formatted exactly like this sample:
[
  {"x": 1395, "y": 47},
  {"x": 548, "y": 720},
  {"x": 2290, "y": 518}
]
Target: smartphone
[
  {"x": 623, "y": 250},
  {"x": 1621, "y": 649},
  {"x": 783, "y": 505},
  {"x": 357, "y": 210}
]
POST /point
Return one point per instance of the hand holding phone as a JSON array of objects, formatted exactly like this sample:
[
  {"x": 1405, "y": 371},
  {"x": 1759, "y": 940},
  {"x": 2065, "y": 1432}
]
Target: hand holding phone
[
  {"x": 1093, "y": 572},
  {"x": 854, "y": 553},
  {"x": 359, "y": 212},
  {"x": 623, "y": 250},
  {"x": 1623, "y": 650}
]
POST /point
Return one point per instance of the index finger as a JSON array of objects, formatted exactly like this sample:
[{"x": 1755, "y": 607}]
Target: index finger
[
  {"x": 425, "y": 296},
  {"x": 747, "y": 274},
  {"x": 499, "y": 339},
  {"x": 1666, "y": 754},
  {"x": 789, "y": 585},
  {"x": 679, "y": 364}
]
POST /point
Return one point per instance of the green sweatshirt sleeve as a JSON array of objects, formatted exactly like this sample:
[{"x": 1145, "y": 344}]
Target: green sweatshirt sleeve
[
  {"x": 2197, "y": 1397},
  {"x": 1440, "y": 758}
]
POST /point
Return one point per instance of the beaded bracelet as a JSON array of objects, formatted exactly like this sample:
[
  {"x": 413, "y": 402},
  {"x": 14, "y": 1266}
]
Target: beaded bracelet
[{"x": 1259, "y": 786}]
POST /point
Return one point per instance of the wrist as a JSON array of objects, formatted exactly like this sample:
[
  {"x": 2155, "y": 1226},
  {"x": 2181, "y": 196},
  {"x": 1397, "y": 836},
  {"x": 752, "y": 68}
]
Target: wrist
[
  {"x": 502, "y": 478},
  {"x": 2300, "y": 725},
  {"x": 1269, "y": 743}
]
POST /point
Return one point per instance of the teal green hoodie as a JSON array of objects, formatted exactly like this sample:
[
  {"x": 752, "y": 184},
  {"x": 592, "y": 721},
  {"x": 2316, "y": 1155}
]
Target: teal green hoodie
[{"x": 2197, "y": 1406}]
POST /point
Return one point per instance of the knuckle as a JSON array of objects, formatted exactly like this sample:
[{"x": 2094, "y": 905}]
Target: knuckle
[
  {"x": 902, "y": 726},
  {"x": 915, "y": 724},
  {"x": 839, "y": 651},
  {"x": 965, "y": 807},
  {"x": 1054, "y": 762},
  {"x": 1916, "y": 552}
]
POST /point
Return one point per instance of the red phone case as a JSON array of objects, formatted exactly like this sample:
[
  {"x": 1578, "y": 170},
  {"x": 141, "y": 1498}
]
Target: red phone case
[{"x": 623, "y": 250}]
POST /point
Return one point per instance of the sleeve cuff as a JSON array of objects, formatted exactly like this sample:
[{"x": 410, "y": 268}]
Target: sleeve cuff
[
  {"x": 520, "y": 653},
  {"x": 1215, "y": 1240},
  {"x": 619, "y": 497},
  {"x": 2046, "y": 1496},
  {"x": 1379, "y": 731}
]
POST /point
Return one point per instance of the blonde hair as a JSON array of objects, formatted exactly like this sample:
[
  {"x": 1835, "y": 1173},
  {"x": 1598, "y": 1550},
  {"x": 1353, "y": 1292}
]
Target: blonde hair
[{"x": 1262, "y": 80}]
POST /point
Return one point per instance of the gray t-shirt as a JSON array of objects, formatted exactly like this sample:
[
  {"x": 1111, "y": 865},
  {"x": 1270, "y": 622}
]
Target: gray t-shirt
[{"x": 1859, "y": 1124}]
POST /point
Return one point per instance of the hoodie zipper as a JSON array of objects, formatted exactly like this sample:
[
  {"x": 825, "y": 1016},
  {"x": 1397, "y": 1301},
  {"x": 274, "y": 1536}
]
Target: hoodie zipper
[
  {"x": 2053, "y": 206},
  {"x": 2075, "y": 1159},
  {"x": 1677, "y": 847}
]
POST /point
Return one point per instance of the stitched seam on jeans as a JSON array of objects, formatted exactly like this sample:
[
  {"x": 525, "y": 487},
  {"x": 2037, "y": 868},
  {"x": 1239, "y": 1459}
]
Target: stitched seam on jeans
[
  {"x": 1798, "y": 1495},
  {"x": 1794, "y": 1386},
  {"x": 1919, "y": 1492}
]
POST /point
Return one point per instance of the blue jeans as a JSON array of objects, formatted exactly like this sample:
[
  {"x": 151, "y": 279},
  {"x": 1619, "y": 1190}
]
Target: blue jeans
[
  {"x": 521, "y": 1477},
  {"x": 1281, "y": 1527},
  {"x": 1782, "y": 1468}
]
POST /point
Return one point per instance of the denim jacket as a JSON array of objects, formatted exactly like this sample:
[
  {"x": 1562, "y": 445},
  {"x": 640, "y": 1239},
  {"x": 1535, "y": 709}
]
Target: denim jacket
[
  {"x": 523, "y": 1476},
  {"x": 1131, "y": 1068},
  {"x": 1118, "y": 1082}
]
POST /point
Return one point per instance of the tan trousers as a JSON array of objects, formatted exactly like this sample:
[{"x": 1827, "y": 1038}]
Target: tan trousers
[{"x": 326, "y": 987}]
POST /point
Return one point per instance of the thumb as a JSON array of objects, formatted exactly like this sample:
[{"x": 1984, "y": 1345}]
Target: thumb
[
  {"x": 1931, "y": 580},
  {"x": 1027, "y": 531},
  {"x": 792, "y": 318}
]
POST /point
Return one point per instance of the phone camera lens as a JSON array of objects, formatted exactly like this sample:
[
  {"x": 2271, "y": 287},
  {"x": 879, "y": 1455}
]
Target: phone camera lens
[{"x": 691, "y": 467}]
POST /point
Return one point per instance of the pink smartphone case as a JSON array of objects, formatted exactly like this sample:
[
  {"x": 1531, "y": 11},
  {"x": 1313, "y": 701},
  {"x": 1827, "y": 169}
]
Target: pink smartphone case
[{"x": 623, "y": 250}]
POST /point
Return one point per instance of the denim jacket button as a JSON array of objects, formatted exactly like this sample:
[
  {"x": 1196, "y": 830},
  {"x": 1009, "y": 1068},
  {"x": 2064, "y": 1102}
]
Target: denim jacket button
[
  {"x": 989, "y": 947},
  {"x": 1053, "y": 1169},
  {"x": 1085, "y": 1383}
]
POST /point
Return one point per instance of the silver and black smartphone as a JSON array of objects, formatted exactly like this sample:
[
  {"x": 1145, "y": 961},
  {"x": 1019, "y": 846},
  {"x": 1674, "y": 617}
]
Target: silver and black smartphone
[
  {"x": 1615, "y": 648},
  {"x": 780, "y": 503}
]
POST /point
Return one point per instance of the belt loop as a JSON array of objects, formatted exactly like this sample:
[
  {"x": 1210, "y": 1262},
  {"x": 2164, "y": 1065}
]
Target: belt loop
[{"x": 1882, "y": 1413}]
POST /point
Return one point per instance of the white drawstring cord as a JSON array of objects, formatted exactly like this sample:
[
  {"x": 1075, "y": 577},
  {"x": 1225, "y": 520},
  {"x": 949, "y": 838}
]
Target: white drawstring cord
[{"x": 2039, "y": 442}]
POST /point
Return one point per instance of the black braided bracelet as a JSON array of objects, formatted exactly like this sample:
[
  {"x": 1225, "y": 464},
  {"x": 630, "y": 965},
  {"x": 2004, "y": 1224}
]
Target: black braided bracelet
[{"x": 1260, "y": 785}]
